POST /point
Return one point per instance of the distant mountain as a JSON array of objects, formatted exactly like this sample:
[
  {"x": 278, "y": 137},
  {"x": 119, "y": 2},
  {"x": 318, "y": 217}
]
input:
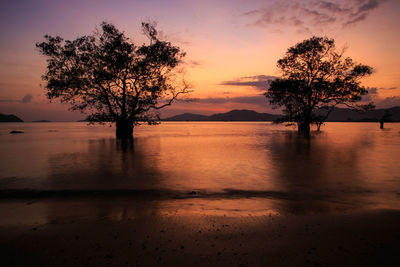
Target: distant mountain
[
  {"x": 338, "y": 114},
  {"x": 244, "y": 115},
  {"x": 188, "y": 117},
  {"x": 233, "y": 115},
  {"x": 344, "y": 114},
  {"x": 9, "y": 118},
  {"x": 42, "y": 121}
]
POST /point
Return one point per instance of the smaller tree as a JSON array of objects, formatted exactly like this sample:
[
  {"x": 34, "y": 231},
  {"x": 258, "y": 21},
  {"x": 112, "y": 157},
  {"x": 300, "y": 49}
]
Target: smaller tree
[
  {"x": 112, "y": 79},
  {"x": 316, "y": 76},
  {"x": 384, "y": 118}
]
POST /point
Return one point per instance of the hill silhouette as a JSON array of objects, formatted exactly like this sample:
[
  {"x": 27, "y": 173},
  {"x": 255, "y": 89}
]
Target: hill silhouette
[
  {"x": 9, "y": 118},
  {"x": 338, "y": 115},
  {"x": 233, "y": 115},
  {"x": 344, "y": 114}
]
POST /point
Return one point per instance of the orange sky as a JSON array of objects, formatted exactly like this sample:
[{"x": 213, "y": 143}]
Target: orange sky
[{"x": 230, "y": 45}]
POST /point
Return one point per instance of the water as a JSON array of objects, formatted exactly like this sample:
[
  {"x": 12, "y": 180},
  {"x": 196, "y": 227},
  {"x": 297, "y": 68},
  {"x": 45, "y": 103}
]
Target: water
[{"x": 259, "y": 165}]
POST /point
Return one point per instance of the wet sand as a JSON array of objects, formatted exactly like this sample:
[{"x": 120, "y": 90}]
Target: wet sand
[{"x": 193, "y": 232}]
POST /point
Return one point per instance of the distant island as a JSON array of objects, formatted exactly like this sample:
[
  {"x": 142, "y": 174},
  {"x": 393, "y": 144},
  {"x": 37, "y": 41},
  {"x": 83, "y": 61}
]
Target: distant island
[
  {"x": 233, "y": 115},
  {"x": 349, "y": 115},
  {"x": 42, "y": 121},
  {"x": 9, "y": 118},
  {"x": 337, "y": 115}
]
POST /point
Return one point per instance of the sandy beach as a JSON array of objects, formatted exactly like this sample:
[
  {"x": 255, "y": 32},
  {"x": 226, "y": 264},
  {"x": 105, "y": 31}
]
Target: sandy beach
[{"x": 114, "y": 231}]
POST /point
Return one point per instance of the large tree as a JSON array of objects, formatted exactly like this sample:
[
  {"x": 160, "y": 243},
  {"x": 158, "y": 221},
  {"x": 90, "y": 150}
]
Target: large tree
[
  {"x": 315, "y": 78},
  {"x": 111, "y": 79}
]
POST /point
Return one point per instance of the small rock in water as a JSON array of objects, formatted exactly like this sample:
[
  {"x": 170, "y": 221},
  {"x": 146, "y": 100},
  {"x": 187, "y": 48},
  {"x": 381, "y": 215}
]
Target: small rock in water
[{"x": 16, "y": 132}]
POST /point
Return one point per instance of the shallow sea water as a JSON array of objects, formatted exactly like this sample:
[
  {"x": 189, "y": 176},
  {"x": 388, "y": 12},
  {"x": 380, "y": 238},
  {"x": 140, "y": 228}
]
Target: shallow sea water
[{"x": 216, "y": 168}]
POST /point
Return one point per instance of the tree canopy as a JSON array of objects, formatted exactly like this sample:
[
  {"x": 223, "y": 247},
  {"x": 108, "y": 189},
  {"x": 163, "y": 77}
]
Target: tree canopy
[
  {"x": 315, "y": 78},
  {"x": 111, "y": 79}
]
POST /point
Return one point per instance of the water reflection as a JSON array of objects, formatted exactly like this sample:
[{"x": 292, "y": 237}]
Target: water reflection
[
  {"x": 107, "y": 164},
  {"x": 317, "y": 164},
  {"x": 231, "y": 168},
  {"x": 323, "y": 175}
]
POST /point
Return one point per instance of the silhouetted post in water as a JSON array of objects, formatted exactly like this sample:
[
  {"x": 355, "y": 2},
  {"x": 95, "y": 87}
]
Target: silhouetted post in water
[
  {"x": 316, "y": 76},
  {"x": 385, "y": 116},
  {"x": 113, "y": 80}
]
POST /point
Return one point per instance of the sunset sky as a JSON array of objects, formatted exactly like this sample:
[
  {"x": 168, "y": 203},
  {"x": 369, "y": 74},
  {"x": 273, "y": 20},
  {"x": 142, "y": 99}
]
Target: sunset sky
[{"x": 232, "y": 46}]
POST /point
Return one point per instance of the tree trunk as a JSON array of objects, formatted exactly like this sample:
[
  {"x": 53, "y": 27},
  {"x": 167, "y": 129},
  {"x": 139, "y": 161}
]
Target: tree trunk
[
  {"x": 124, "y": 128},
  {"x": 319, "y": 124},
  {"x": 304, "y": 126}
]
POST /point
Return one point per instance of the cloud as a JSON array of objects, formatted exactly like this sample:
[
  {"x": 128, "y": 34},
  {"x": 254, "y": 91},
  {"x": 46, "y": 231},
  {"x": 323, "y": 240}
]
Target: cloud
[
  {"x": 388, "y": 102},
  {"x": 192, "y": 63},
  {"x": 368, "y": 5},
  {"x": 332, "y": 7},
  {"x": 259, "y": 100},
  {"x": 372, "y": 90},
  {"x": 388, "y": 88},
  {"x": 261, "y": 82},
  {"x": 358, "y": 18},
  {"x": 27, "y": 98},
  {"x": 9, "y": 101},
  {"x": 309, "y": 15},
  {"x": 375, "y": 90},
  {"x": 381, "y": 102},
  {"x": 372, "y": 94}
]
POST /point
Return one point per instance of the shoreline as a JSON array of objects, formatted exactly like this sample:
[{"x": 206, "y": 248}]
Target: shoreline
[{"x": 134, "y": 232}]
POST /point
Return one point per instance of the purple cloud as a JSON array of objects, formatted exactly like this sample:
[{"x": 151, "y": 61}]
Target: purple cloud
[
  {"x": 259, "y": 100},
  {"x": 312, "y": 14},
  {"x": 27, "y": 98},
  {"x": 388, "y": 102},
  {"x": 261, "y": 82}
]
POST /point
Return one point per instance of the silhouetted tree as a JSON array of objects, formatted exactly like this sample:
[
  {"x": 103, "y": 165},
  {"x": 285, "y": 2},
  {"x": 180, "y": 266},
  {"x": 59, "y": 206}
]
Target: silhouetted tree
[
  {"x": 314, "y": 76},
  {"x": 111, "y": 79}
]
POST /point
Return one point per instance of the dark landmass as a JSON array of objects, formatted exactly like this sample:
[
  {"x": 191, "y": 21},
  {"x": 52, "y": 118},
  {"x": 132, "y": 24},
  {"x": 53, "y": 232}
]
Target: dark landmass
[
  {"x": 344, "y": 114},
  {"x": 16, "y": 132},
  {"x": 9, "y": 118},
  {"x": 338, "y": 115},
  {"x": 233, "y": 115},
  {"x": 41, "y": 121},
  {"x": 244, "y": 115},
  {"x": 188, "y": 117}
]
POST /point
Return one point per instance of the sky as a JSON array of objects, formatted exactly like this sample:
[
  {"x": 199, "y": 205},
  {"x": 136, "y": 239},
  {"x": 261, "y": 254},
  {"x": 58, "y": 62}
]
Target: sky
[{"x": 232, "y": 46}]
